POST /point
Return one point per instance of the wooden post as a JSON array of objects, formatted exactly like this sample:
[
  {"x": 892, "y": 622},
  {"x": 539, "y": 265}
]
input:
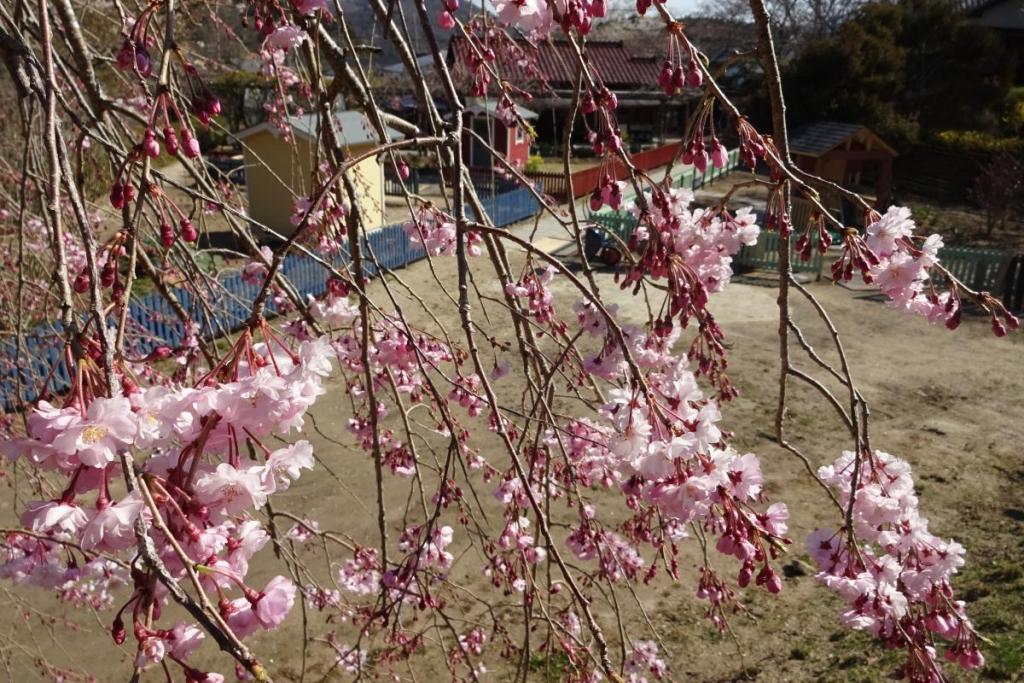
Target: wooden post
[{"x": 884, "y": 188}]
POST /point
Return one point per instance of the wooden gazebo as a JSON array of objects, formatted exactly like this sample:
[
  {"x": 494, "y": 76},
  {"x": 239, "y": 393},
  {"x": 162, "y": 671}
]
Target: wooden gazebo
[{"x": 847, "y": 153}]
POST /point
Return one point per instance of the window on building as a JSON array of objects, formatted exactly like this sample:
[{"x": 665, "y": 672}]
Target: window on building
[{"x": 520, "y": 135}]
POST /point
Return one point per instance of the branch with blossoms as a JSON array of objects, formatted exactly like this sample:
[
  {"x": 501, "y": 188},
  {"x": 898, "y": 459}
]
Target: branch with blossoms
[{"x": 560, "y": 447}]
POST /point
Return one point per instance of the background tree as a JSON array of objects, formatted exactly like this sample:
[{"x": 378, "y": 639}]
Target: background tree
[
  {"x": 900, "y": 68},
  {"x": 999, "y": 190}
]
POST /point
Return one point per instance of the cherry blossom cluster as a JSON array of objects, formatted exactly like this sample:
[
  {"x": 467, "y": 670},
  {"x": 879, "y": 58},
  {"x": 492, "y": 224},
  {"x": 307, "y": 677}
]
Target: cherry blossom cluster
[
  {"x": 680, "y": 69},
  {"x": 602, "y": 126},
  {"x": 643, "y": 661},
  {"x": 533, "y": 289},
  {"x": 435, "y": 231},
  {"x": 665, "y": 449},
  {"x": 533, "y": 17},
  {"x": 905, "y": 268},
  {"x": 692, "y": 250},
  {"x": 659, "y": 444},
  {"x": 891, "y": 571},
  {"x": 187, "y": 443}
]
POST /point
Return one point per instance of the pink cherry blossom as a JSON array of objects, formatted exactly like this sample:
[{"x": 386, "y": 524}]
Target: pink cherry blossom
[
  {"x": 284, "y": 465},
  {"x": 185, "y": 639},
  {"x": 274, "y": 602},
  {"x": 112, "y": 527},
  {"x": 62, "y": 520},
  {"x": 532, "y": 16},
  {"x": 109, "y": 425},
  {"x": 286, "y": 37},
  {"x": 310, "y": 6},
  {"x": 230, "y": 490}
]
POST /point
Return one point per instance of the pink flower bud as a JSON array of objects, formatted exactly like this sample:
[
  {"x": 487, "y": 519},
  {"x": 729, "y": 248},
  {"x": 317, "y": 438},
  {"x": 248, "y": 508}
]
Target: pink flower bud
[
  {"x": 108, "y": 274},
  {"x": 82, "y": 282},
  {"x": 665, "y": 78},
  {"x": 117, "y": 196},
  {"x": 953, "y": 321},
  {"x": 190, "y": 144},
  {"x": 118, "y": 631},
  {"x": 132, "y": 55},
  {"x": 678, "y": 78},
  {"x": 128, "y": 387},
  {"x": 125, "y": 58},
  {"x": 719, "y": 154},
  {"x": 615, "y": 197},
  {"x": 700, "y": 160},
  {"x": 171, "y": 141},
  {"x": 403, "y": 169},
  {"x": 451, "y": 5},
  {"x": 121, "y": 194},
  {"x": 446, "y": 21},
  {"x": 167, "y": 235},
  {"x": 188, "y": 231},
  {"x": 694, "y": 76},
  {"x": 149, "y": 144},
  {"x": 160, "y": 353},
  {"x": 598, "y": 9},
  {"x": 746, "y": 573}
]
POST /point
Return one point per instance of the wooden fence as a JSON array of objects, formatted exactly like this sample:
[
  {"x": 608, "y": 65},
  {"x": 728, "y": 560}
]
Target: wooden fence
[{"x": 587, "y": 180}]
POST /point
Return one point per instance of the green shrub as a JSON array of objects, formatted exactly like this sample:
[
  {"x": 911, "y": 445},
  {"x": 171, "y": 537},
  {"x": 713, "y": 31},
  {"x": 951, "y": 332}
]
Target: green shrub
[{"x": 972, "y": 141}]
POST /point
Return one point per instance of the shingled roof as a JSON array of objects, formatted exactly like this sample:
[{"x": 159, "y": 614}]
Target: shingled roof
[
  {"x": 353, "y": 127},
  {"x": 554, "y": 63},
  {"x": 815, "y": 139}
]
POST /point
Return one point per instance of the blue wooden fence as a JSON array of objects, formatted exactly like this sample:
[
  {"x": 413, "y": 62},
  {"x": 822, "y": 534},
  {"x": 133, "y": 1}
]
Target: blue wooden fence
[{"x": 153, "y": 322}]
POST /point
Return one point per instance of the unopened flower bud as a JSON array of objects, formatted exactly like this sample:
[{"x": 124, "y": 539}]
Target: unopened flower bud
[
  {"x": 188, "y": 231},
  {"x": 167, "y": 234},
  {"x": 82, "y": 282},
  {"x": 149, "y": 144},
  {"x": 108, "y": 274},
  {"x": 118, "y": 631},
  {"x": 171, "y": 141},
  {"x": 190, "y": 145}
]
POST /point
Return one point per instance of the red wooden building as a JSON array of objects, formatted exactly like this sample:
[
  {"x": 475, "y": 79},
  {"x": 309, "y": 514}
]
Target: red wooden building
[
  {"x": 646, "y": 115},
  {"x": 512, "y": 142}
]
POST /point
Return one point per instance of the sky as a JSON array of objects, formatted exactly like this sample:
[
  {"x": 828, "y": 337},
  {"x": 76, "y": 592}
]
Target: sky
[
  {"x": 677, "y": 7},
  {"x": 683, "y": 7}
]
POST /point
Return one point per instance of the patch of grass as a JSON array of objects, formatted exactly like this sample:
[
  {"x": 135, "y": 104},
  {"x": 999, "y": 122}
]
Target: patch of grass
[
  {"x": 995, "y": 594},
  {"x": 1004, "y": 657},
  {"x": 858, "y": 657},
  {"x": 550, "y": 666}
]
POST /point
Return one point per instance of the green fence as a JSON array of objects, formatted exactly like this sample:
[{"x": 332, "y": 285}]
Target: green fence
[
  {"x": 980, "y": 269},
  {"x": 765, "y": 254},
  {"x": 619, "y": 224}
]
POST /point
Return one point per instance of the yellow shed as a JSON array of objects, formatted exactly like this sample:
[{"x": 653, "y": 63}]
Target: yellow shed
[{"x": 278, "y": 171}]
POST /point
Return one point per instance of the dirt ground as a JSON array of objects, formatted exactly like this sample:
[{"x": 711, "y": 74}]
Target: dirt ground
[{"x": 949, "y": 403}]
